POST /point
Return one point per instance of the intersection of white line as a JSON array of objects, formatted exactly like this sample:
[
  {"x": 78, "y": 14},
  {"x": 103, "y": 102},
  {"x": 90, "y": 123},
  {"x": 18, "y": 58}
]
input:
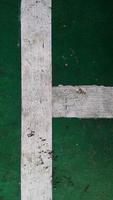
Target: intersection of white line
[{"x": 40, "y": 101}]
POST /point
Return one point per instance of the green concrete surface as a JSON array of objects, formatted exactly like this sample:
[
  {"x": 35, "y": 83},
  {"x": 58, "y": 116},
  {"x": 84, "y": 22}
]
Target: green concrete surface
[
  {"x": 10, "y": 100},
  {"x": 82, "y": 54},
  {"x": 82, "y": 159},
  {"x": 82, "y": 42}
]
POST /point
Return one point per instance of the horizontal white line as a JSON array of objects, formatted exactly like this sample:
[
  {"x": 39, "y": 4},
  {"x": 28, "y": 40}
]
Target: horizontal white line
[
  {"x": 36, "y": 158},
  {"x": 83, "y": 101}
]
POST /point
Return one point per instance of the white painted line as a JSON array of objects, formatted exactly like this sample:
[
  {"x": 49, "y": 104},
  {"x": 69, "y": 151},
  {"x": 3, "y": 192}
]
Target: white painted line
[
  {"x": 83, "y": 101},
  {"x": 36, "y": 161}
]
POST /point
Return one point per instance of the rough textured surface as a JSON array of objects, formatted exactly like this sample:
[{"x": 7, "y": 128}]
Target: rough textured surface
[
  {"x": 36, "y": 163},
  {"x": 83, "y": 101},
  {"x": 10, "y": 102}
]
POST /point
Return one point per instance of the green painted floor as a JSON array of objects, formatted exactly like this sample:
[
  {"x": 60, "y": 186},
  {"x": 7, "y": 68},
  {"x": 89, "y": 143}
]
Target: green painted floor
[
  {"x": 82, "y": 54},
  {"x": 82, "y": 159},
  {"x": 10, "y": 100},
  {"x": 82, "y": 42}
]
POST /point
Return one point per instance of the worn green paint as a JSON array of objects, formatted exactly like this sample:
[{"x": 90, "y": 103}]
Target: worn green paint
[
  {"x": 10, "y": 100},
  {"x": 82, "y": 42},
  {"x": 82, "y": 159}
]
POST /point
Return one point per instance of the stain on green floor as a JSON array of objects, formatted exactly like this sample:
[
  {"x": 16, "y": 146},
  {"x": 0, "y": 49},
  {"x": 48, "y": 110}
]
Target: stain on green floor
[
  {"x": 82, "y": 159},
  {"x": 82, "y": 42},
  {"x": 10, "y": 100}
]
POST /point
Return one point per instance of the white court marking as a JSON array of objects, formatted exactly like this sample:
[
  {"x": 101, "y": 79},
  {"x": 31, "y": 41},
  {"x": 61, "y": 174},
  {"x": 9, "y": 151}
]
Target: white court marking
[
  {"x": 36, "y": 160},
  {"x": 83, "y": 101},
  {"x": 37, "y": 91}
]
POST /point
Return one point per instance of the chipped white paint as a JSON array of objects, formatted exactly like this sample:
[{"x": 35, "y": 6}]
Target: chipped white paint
[
  {"x": 83, "y": 101},
  {"x": 36, "y": 161}
]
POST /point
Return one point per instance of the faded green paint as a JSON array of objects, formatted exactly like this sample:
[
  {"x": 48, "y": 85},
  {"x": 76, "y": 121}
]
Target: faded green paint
[
  {"x": 82, "y": 42},
  {"x": 9, "y": 100},
  {"x": 82, "y": 159}
]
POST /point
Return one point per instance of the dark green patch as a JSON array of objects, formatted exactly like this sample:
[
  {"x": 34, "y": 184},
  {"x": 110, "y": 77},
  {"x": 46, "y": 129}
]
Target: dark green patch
[
  {"x": 82, "y": 42},
  {"x": 10, "y": 99},
  {"x": 83, "y": 168}
]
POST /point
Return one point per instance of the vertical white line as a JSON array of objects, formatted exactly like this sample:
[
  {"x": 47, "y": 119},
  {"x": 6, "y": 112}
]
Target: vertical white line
[{"x": 36, "y": 160}]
